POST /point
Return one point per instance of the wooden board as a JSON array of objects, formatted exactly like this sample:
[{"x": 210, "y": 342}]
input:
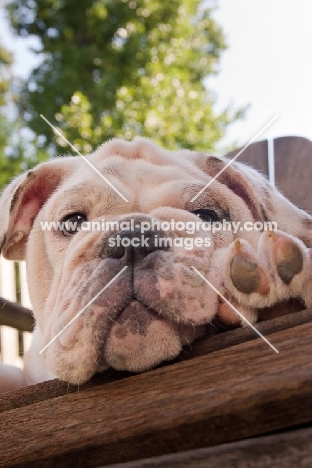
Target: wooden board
[
  {"x": 293, "y": 169},
  {"x": 238, "y": 392},
  {"x": 286, "y": 450},
  {"x": 209, "y": 344}
]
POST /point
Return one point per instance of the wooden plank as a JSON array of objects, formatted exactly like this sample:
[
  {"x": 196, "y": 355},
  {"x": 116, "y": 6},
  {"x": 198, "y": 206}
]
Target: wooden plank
[
  {"x": 293, "y": 169},
  {"x": 209, "y": 344},
  {"x": 14, "y": 315},
  {"x": 287, "y": 450},
  {"x": 224, "y": 340},
  {"x": 235, "y": 393},
  {"x": 54, "y": 388}
]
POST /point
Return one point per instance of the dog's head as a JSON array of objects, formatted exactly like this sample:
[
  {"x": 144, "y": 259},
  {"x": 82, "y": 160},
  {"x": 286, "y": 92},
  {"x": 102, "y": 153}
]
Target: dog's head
[{"x": 136, "y": 319}]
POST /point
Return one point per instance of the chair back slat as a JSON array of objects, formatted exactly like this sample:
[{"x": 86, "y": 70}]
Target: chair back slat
[
  {"x": 293, "y": 170},
  {"x": 292, "y": 163}
]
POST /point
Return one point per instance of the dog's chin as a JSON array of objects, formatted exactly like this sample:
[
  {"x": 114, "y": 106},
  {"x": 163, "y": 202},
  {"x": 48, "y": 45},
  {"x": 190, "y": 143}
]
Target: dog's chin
[
  {"x": 141, "y": 338},
  {"x": 133, "y": 337}
]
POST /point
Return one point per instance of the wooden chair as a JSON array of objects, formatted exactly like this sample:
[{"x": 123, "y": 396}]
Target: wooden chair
[
  {"x": 228, "y": 400},
  {"x": 293, "y": 166}
]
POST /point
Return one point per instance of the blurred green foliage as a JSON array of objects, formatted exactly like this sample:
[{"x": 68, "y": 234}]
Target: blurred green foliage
[
  {"x": 18, "y": 146},
  {"x": 122, "y": 68},
  {"x": 9, "y": 164}
]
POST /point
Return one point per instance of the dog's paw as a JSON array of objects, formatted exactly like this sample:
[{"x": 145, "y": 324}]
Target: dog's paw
[{"x": 280, "y": 269}]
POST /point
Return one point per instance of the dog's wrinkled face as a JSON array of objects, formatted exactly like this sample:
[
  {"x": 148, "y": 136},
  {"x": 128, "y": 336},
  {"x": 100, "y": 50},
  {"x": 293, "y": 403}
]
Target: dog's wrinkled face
[{"x": 158, "y": 303}]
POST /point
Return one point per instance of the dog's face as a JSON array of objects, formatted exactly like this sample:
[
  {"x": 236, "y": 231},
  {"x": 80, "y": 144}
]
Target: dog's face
[{"x": 158, "y": 303}]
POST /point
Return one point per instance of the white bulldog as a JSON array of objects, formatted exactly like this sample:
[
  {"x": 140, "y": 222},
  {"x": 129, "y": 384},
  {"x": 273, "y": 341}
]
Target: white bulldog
[{"x": 159, "y": 302}]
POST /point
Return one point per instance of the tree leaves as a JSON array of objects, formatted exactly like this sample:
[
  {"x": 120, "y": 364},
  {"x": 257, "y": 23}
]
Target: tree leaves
[{"x": 123, "y": 68}]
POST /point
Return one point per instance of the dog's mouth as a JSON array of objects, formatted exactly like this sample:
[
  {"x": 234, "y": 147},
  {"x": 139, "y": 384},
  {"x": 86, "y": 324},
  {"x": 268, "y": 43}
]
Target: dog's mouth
[
  {"x": 142, "y": 337},
  {"x": 135, "y": 317}
]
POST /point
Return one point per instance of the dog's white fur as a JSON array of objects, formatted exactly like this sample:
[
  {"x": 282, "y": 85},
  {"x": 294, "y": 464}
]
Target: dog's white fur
[{"x": 159, "y": 303}]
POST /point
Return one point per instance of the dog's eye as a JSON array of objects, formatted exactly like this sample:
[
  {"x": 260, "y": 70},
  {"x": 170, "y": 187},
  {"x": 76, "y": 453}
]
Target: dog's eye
[
  {"x": 208, "y": 216},
  {"x": 72, "y": 223}
]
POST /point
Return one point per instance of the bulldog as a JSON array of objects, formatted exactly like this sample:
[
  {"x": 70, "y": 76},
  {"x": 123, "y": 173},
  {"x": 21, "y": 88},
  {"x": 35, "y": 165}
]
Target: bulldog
[{"x": 138, "y": 255}]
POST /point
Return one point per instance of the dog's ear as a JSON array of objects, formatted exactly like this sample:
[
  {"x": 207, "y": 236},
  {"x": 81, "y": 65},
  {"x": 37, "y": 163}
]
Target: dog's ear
[
  {"x": 21, "y": 201},
  {"x": 248, "y": 187},
  {"x": 265, "y": 202}
]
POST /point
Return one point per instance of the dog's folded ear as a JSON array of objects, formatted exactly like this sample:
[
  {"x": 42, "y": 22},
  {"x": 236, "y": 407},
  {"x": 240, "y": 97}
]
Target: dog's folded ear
[
  {"x": 250, "y": 190},
  {"x": 21, "y": 201},
  {"x": 237, "y": 178},
  {"x": 264, "y": 201}
]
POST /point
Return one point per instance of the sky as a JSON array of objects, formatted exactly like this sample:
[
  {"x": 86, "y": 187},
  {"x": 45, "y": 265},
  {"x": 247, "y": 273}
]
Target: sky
[{"x": 268, "y": 66}]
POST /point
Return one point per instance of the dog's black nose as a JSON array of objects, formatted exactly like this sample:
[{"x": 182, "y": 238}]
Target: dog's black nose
[{"x": 133, "y": 245}]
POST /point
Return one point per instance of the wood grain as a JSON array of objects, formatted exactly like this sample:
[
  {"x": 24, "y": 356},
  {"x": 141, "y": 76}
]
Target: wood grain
[
  {"x": 224, "y": 340},
  {"x": 209, "y": 344},
  {"x": 231, "y": 394},
  {"x": 286, "y": 450}
]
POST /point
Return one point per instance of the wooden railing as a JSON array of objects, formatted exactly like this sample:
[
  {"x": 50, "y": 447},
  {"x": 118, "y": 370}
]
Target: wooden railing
[{"x": 15, "y": 318}]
